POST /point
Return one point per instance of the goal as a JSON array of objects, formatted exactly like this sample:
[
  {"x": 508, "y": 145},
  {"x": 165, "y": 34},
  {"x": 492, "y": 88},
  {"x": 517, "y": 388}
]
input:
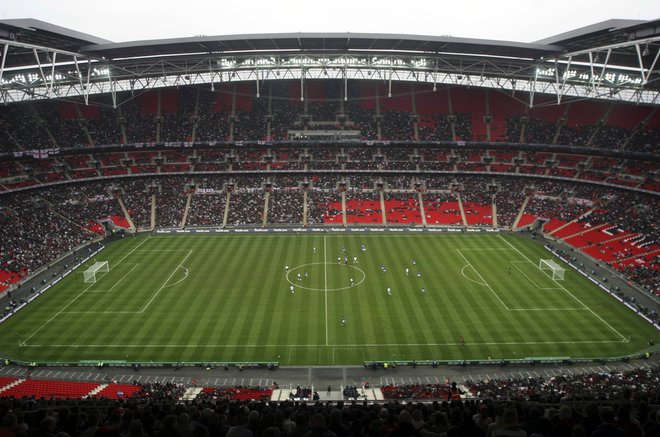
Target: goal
[
  {"x": 90, "y": 274},
  {"x": 552, "y": 269}
]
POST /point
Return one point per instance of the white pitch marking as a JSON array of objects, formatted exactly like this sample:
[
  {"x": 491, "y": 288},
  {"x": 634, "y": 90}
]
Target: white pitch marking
[
  {"x": 569, "y": 293},
  {"x": 162, "y": 250},
  {"x": 185, "y": 276},
  {"x": 548, "y": 309},
  {"x": 168, "y": 278},
  {"x": 523, "y": 273},
  {"x": 470, "y": 279},
  {"x": 482, "y": 278},
  {"x": 100, "y": 312},
  {"x": 487, "y": 248},
  {"x": 81, "y": 293},
  {"x": 116, "y": 283},
  {"x": 364, "y": 276},
  {"x": 325, "y": 287},
  {"x": 291, "y": 346}
]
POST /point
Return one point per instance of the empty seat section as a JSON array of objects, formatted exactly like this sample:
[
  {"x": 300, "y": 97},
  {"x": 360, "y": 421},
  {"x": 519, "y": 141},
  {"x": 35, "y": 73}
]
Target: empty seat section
[{"x": 50, "y": 389}]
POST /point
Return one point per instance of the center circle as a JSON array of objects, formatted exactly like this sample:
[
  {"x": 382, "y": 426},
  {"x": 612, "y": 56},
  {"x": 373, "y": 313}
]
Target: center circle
[{"x": 335, "y": 267}]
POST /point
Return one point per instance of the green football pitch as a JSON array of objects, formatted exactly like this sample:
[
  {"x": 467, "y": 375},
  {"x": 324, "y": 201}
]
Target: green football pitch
[{"x": 228, "y": 298}]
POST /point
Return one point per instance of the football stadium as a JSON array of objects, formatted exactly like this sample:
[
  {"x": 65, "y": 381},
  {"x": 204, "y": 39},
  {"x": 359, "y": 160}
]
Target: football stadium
[{"x": 330, "y": 217}]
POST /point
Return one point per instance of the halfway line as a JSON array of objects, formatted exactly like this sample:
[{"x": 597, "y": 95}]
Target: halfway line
[{"x": 325, "y": 287}]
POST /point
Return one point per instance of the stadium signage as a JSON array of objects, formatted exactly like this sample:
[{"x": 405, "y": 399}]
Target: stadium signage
[
  {"x": 299, "y": 230},
  {"x": 205, "y": 191}
]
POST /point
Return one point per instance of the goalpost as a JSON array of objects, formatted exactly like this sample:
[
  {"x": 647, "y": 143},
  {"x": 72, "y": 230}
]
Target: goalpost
[
  {"x": 552, "y": 269},
  {"x": 90, "y": 274}
]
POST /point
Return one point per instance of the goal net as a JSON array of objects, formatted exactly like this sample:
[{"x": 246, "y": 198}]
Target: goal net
[
  {"x": 552, "y": 269},
  {"x": 90, "y": 274}
]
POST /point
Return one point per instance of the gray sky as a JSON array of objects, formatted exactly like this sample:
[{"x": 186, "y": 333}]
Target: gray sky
[{"x": 508, "y": 20}]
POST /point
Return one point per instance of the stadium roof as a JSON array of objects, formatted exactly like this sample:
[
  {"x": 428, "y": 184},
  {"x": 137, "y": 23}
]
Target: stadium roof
[
  {"x": 615, "y": 60},
  {"x": 320, "y": 42}
]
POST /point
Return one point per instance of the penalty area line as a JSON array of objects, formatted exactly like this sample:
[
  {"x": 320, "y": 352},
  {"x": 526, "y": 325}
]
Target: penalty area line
[
  {"x": 482, "y": 278},
  {"x": 568, "y": 292},
  {"x": 166, "y": 281},
  {"x": 81, "y": 293}
]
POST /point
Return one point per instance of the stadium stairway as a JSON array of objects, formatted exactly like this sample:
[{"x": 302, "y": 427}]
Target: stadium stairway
[
  {"x": 369, "y": 394},
  {"x": 343, "y": 207},
  {"x": 494, "y": 213},
  {"x": 382, "y": 208},
  {"x": 305, "y": 208},
  {"x": 520, "y": 212},
  {"x": 126, "y": 214},
  {"x": 191, "y": 393},
  {"x": 83, "y": 125},
  {"x": 584, "y": 231},
  {"x": 625, "y": 234},
  {"x": 225, "y": 215},
  {"x": 374, "y": 394},
  {"x": 10, "y": 385},
  {"x": 186, "y": 210},
  {"x": 585, "y": 214},
  {"x": 421, "y": 209},
  {"x": 85, "y": 228},
  {"x": 153, "y": 212},
  {"x": 264, "y": 221},
  {"x": 460, "y": 206},
  {"x": 96, "y": 391}
]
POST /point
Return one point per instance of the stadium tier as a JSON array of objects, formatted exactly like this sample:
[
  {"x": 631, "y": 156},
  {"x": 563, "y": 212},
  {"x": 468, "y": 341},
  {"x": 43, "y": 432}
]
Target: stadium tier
[
  {"x": 313, "y": 167},
  {"x": 46, "y": 219}
]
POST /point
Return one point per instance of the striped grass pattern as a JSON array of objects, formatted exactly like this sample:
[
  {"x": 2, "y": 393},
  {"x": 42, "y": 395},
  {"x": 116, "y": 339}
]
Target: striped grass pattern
[{"x": 229, "y": 298}]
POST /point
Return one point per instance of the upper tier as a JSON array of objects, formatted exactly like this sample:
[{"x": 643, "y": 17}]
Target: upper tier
[{"x": 364, "y": 110}]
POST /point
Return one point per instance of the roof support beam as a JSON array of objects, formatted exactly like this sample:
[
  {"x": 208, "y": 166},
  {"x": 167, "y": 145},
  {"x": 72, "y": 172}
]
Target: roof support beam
[
  {"x": 564, "y": 77},
  {"x": 4, "y": 58}
]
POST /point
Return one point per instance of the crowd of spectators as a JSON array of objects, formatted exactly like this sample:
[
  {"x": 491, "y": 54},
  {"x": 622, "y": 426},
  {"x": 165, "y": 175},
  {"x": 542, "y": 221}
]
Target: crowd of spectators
[
  {"x": 137, "y": 197},
  {"x": 596, "y": 404},
  {"x": 322, "y": 204},
  {"x": 104, "y": 128},
  {"x": 598, "y": 136},
  {"x": 34, "y": 233},
  {"x": 212, "y": 121},
  {"x": 250, "y": 124},
  {"x": 66, "y": 132},
  {"x": 634, "y": 385},
  {"x": 645, "y": 275},
  {"x": 509, "y": 199},
  {"x": 398, "y": 182},
  {"x": 28, "y": 171},
  {"x": 207, "y": 209},
  {"x": 554, "y": 207},
  {"x": 201, "y": 114},
  {"x": 83, "y": 202},
  {"x": 74, "y": 206},
  {"x": 285, "y": 206},
  {"x": 138, "y": 126},
  {"x": 246, "y": 207},
  {"x": 171, "y": 196},
  {"x": 397, "y": 125},
  {"x": 630, "y": 211},
  {"x": 477, "y": 189},
  {"x": 24, "y": 129}
]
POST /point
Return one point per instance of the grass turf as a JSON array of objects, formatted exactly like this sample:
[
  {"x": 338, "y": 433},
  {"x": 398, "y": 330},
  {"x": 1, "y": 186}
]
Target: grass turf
[{"x": 228, "y": 298}]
